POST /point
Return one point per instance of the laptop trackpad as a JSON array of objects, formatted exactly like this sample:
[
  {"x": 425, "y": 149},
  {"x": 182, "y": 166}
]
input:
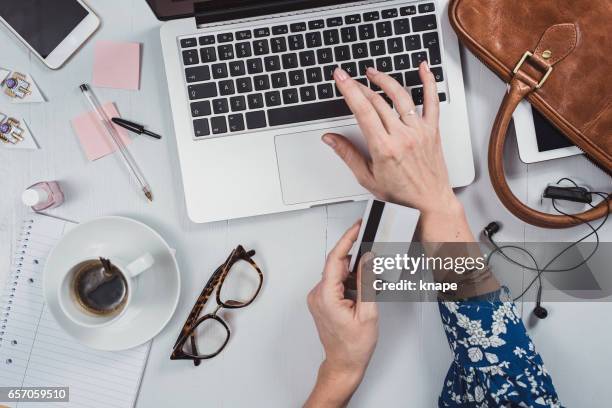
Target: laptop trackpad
[{"x": 311, "y": 171}]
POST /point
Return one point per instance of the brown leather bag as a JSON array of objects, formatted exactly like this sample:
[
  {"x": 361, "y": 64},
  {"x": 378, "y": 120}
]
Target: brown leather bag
[{"x": 558, "y": 55}]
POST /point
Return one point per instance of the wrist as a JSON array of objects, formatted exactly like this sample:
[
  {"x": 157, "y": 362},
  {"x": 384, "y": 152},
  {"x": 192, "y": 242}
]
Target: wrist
[
  {"x": 447, "y": 206},
  {"x": 335, "y": 385}
]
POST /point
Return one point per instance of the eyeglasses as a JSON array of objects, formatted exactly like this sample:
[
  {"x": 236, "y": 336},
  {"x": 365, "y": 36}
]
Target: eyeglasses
[{"x": 237, "y": 283}]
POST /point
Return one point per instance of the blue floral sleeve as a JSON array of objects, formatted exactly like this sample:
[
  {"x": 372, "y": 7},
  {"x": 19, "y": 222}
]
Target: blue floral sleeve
[{"x": 495, "y": 363}]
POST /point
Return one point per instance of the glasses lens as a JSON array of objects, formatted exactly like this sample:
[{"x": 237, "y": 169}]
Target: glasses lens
[
  {"x": 240, "y": 285},
  {"x": 210, "y": 338}
]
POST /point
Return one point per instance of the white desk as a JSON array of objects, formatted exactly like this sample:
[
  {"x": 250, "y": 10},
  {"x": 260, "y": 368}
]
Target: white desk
[{"x": 274, "y": 352}]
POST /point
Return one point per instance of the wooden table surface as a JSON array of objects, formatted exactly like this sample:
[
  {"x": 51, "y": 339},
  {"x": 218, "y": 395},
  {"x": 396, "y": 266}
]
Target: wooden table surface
[{"x": 274, "y": 352}]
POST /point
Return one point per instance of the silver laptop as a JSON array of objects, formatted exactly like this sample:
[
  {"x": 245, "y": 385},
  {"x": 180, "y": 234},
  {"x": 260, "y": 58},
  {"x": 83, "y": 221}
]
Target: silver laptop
[{"x": 251, "y": 94}]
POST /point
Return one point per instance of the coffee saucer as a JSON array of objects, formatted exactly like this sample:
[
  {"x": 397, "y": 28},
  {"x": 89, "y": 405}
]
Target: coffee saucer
[{"x": 157, "y": 289}]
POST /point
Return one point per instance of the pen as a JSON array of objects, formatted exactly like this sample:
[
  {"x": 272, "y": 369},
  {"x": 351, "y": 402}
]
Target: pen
[
  {"x": 134, "y": 127},
  {"x": 128, "y": 160}
]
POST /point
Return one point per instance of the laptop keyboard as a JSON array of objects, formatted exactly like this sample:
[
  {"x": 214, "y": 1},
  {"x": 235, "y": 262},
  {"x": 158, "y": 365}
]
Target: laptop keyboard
[{"x": 281, "y": 74}]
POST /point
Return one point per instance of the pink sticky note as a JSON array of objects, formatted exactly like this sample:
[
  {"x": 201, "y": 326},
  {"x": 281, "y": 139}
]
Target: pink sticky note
[
  {"x": 93, "y": 137},
  {"x": 117, "y": 65}
]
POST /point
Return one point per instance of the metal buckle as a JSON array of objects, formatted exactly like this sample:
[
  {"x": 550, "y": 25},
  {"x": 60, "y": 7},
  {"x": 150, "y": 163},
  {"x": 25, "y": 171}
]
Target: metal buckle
[{"x": 520, "y": 63}]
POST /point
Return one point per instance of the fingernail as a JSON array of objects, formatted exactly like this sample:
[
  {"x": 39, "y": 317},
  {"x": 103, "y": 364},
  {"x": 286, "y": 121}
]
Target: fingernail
[
  {"x": 329, "y": 141},
  {"x": 372, "y": 71},
  {"x": 341, "y": 75},
  {"x": 426, "y": 65}
]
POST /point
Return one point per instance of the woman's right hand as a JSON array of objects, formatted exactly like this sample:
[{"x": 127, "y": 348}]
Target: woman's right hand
[{"x": 407, "y": 164}]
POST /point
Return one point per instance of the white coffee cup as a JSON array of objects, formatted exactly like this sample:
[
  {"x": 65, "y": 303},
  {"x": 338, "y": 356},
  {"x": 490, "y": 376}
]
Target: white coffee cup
[{"x": 78, "y": 314}]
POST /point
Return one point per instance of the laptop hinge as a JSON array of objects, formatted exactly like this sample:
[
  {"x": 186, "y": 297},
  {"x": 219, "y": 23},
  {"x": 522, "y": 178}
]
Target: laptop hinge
[{"x": 216, "y": 11}]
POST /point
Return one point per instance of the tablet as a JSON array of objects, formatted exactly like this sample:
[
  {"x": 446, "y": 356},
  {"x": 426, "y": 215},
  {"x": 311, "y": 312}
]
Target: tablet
[{"x": 538, "y": 140}]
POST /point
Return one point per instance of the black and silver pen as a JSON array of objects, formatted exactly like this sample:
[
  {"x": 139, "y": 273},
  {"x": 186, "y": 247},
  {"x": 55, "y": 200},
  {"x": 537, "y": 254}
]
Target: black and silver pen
[{"x": 134, "y": 127}]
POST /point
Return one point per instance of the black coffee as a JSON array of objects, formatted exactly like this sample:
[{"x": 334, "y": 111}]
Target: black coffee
[{"x": 99, "y": 291}]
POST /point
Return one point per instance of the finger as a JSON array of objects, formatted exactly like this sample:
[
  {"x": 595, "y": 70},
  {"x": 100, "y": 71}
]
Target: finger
[
  {"x": 336, "y": 260},
  {"x": 364, "y": 112},
  {"x": 388, "y": 116},
  {"x": 431, "y": 102},
  {"x": 352, "y": 157},
  {"x": 402, "y": 100},
  {"x": 365, "y": 289}
]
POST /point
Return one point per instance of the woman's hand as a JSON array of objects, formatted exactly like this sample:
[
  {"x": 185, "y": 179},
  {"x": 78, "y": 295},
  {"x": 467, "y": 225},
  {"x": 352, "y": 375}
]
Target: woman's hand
[
  {"x": 348, "y": 329},
  {"x": 407, "y": 164}
]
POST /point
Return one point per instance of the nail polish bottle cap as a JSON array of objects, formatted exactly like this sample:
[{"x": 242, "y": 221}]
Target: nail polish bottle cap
[{"x": 34, "y": 196}]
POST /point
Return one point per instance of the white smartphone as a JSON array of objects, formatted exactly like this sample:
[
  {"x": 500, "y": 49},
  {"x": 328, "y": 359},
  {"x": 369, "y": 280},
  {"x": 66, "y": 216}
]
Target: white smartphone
[{"x": 51, "y": 29}]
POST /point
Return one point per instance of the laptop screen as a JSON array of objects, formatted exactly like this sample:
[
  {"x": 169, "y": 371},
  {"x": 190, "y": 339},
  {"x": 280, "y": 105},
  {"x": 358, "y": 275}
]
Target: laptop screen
[{"x": 219, "y": 10}]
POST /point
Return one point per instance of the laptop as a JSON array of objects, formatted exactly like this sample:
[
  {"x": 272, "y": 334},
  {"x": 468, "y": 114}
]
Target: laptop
[{"x": 251, "y": 92}]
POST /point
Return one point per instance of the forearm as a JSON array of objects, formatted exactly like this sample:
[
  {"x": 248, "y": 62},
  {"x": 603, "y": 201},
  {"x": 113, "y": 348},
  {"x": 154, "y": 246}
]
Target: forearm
[{"x": 333, "y": 389}]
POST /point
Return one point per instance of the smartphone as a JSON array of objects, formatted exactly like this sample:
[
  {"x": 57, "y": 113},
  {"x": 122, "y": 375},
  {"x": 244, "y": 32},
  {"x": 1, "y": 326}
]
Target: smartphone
[{"x": 51, "y": 29}]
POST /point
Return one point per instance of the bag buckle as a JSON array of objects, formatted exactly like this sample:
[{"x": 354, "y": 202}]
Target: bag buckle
[{"x": 526, "y": 55}]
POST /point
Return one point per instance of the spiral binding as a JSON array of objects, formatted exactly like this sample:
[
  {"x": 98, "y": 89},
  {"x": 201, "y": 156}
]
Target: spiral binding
[{"x": 13, "y": 279}]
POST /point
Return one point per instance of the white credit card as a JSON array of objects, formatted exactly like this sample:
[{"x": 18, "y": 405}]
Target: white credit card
[{"x": 385, "y": 222}]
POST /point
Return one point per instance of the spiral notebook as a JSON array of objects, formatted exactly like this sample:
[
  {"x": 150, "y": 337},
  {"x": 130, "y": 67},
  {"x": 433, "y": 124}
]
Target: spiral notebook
[{"x": 34, "y": 351}]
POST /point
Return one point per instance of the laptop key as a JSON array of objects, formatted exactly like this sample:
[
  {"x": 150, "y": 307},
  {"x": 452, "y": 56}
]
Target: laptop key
[
  {"x": 350, "y": 68},
  {"x": 417, "y": 95},
  {"x": 296, "y": 77},
  {"x": 220, "y": 106},
  {"x": 290, "y": 96},
  {"x": 334, "y": 21},
  {"x": 226, "y": 87},
  {"x": 352, "y": 19},
  {"x": 273, "y": 98},
  {"x": 371, "y": 16},
  {"x": 442, "y": 96},
  {"x": 325, "y": 55},
  {"x": 377, "y": 48},
  {"x": 190, "y": 57},
  {"x": 384, "y": 29},
  {"x": 328, "y": 71},
  {"x": 360, "y": 51},
  {"x": 254, "y": 66},
  {"x": 280, "y": 30},
  {"x": 208, "y": 54},
  {"x": 244, "y": 85},
  {"x": 206, "y": 40},
  {"x": 364, "y": 65},
  {"x": 197, "y": 74},
  {"x": 202, "y": 91},
  {"x": 366, "y": 32},
  {"x": 226, "y": 52},
  {"x": 384, "y": 64},
  {"x": 200, "y": 108},
  {"x": 362, "y": 81},
  {"x": 389, "y": 13},
  {"x": 235, "y": 122},
  {"x": 325, "y": 91},
  {"x": 237, "y": 68},
  {"x": 255, "y": 101},
  {"x": 398, "y": 77},
  {"x": 401, "y": 26},
  {"x": 423, "y": 23},
  {"x": 395, "y": 45},
  {"x": 290, "y": 61},
  {"x": 308, "y": 93},
  {"x": 314, "y": 75},
  {"x": 225, "y": 37},
  {"x": 279, "y": 80},
  {"x": 426, "y": 8},
  {"x": 413, "y": 78},
  {"x": 418, "y": 57},
  {"x": 342, "y": 53},
  {"x": 188, "y": 42},
  {"x": 238, "y": 103},
  {"x": 413, "y": 42},
  {"x": 437, "y": 73},
  {"x": 256, "y": 120},
  {"x": 243, "y": 50},
  {"x": 308, "y": 112},
  {"x": 278, "y": 44},
  {"x": 348, "y": 34},
  {"x": 408, "y": 11},
  {"x": 262, "y": 32},
  {"x": 201, "y": 128},
  {"x": 219, "y": 70},
  {"x": 260, "y": 47},
  {"x": 432, "y": 43},
  {"x": 218, "y": 125},
  {"x": 331, "y": 37},
  {"x": 272, "y": 63},
  {"x": 262, "y": 82},
  {"x": 296, "y": 42},
  {"x": 316, "y": 24},
  {"x": 314, "y": 39},
  {"x": 243, "y": 35},
  {"x": 307, "y": 58},
  {"x": 297, "y": 27},
  {"x": 401, "y": 62}
]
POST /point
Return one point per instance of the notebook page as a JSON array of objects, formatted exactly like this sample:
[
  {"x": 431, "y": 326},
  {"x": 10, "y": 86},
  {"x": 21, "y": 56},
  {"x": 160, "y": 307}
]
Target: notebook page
[{"x": 34, "y": 351}]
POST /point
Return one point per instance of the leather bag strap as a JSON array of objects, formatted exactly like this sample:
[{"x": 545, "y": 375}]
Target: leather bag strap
[{"x": 557, "y": 42}]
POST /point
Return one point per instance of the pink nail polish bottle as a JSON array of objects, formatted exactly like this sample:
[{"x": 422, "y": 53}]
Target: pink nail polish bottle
[{"x": 43, "y": 196}]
